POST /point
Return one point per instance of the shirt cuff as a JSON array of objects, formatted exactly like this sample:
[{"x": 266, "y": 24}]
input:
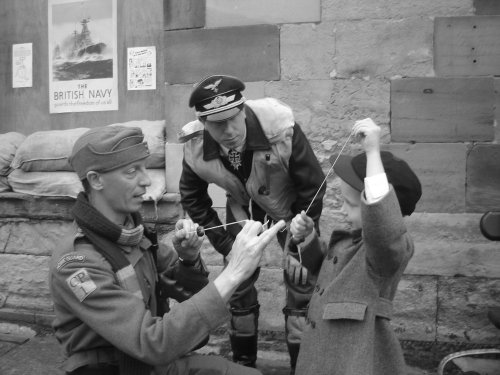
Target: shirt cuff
[{"x": 376, "y": 187}]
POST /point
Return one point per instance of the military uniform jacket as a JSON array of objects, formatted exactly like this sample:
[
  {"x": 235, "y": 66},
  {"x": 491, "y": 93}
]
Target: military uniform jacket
[
  {"x": 348, "y": 328},
  {"x": 280, "y": 153},
  {"x": 95, "y": 315}
]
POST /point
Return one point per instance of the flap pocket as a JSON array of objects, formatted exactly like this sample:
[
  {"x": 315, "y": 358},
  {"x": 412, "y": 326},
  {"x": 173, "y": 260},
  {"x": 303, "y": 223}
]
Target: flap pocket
[{"x": 345, "y": 310}]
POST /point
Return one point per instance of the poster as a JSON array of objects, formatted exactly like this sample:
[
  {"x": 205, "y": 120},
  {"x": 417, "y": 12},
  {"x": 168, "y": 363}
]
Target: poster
[
  {"x": 141, "y": 68},
  {"x": 83, "y": 74},
  {"x": 22, "y": 65}
]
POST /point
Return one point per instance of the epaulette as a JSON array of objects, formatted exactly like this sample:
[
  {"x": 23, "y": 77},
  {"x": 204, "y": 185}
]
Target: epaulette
[{"x": 190, "y": 130}]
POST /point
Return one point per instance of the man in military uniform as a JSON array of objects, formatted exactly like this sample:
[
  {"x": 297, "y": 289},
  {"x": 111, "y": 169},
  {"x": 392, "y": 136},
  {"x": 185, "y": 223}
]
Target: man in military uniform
[
  {"x": 258, "y": 154},
  {"x": 110, "y": 279}
]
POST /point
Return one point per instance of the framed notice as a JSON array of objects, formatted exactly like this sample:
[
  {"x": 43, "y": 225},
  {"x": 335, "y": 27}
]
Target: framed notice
[
  {"x": 141, "y": 68},
  {"x": 22, "y": 65},
  {"x": 83, "y": 74}
]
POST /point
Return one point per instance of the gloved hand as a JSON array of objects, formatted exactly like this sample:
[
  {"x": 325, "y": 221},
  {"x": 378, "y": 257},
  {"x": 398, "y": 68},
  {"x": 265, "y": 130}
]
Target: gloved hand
[
  {"x": 186, "y": 241},
  {"x": 297, "y": 274}
]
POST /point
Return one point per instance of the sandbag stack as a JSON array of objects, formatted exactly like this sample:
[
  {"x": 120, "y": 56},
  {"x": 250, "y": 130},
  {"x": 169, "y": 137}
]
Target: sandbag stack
[
  {"x": 9, "y": 143},
  {"x": 40, "y": 165}
]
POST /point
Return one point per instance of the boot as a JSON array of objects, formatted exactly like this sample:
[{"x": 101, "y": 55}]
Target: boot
[
  {"x": 244, "y": 349},
  {"x": 293, "y": 350}
]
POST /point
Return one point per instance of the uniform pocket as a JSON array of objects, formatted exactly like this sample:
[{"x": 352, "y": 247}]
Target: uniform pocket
[{"x": 345, "y": 310}]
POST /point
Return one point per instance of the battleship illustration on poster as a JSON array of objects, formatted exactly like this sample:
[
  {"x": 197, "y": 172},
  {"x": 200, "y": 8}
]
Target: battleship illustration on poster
[
  {"x": 78, "y": 57},
  {"x": 82, "y": 55}
]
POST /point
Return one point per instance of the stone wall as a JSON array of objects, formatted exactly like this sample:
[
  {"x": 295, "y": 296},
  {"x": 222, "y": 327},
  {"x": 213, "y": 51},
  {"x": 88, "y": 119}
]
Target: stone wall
[{"x": 333, "y": 62}]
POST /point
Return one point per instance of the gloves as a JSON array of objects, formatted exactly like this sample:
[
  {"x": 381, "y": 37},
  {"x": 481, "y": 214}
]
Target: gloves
[{"x": 296, "y": 273}]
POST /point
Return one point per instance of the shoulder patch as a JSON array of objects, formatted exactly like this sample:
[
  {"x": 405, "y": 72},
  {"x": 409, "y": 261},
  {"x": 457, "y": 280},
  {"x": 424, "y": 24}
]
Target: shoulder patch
[
  {"x": 70, "y": 259},
  {"x": 81, "y": 284}
]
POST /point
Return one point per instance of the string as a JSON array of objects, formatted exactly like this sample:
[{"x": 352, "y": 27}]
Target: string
[
  {"x": 330, "y": 171},
  {"x": 234, "y": 222},
  {"x": 310, "y": 204},
  {"x": 320, "y": 186}
]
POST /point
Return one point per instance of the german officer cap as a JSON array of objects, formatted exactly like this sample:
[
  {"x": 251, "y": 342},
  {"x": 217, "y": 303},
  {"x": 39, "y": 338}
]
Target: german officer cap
[{"x": 217, "y": 97}]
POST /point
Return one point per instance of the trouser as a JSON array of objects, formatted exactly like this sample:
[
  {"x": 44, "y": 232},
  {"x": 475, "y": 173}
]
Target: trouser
[
  {"x": 244, "y": 305},
  {"x": 194, "y": 364}
]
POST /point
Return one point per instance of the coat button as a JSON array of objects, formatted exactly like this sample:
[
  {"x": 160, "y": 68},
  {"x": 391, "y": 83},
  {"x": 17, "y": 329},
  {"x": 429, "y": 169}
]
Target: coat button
[
  {"x": 316, "y": 288},
  {"x": 335, "y": 259}
]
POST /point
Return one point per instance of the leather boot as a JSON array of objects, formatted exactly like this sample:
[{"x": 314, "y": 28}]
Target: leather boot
[{"x": 244, "y": 349}]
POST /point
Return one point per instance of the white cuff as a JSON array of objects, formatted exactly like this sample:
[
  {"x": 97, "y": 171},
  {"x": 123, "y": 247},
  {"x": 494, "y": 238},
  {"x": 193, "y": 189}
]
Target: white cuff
[{"x": 376, "y": 187}]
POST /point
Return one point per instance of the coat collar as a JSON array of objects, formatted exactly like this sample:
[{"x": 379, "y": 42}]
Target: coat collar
[{"x": 256, "y": 138}]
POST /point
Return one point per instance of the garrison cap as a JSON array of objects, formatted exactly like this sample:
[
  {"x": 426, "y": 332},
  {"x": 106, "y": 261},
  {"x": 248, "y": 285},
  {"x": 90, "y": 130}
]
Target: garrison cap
[
  {"x": 107, "y": 148},
  {"x": 217, "y": 97},
  {"x": 399, "y": 174}
]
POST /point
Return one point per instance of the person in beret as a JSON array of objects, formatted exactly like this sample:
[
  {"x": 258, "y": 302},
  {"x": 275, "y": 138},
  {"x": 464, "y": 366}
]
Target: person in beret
[
  {"x": 348, "y": 328},
  {"x": 257, "y": 153},
  {"x": 111, "y": 280}
]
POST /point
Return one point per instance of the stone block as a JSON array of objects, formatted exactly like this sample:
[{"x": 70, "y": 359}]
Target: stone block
[
  {"x": 250, "y": 53},
  {"x": 466, "y": 46},
  {"x": 497, "y": 109},
  {"x": 183, "y": 14},
  {"x": 36, "y": 237},
  {"x": 483, "y": 178},
  {"x": 442, "y": 109},
  {"x": 392, "y": 9},
  {"x": 463, "y": 306},
  {"x": 441, "y": 170},
  {"x": 450, "y": 245},
  {"x": 315, "y": 60},
  {"x": 23, "y": 278},
  {"x": 224, "y": 13},
  {"x": 325, "y": 110},
  {"x": 384, "y": 48},
  {"x": 415, "y": 308},
  {"x": 486, "y": 7}
]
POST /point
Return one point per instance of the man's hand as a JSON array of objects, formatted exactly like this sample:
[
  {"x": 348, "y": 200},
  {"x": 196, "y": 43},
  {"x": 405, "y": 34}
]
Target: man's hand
[
  {"x": 301, "y": 226},
  {"x": 186, "y": 241},
  {"x": 245, "y": 256}
]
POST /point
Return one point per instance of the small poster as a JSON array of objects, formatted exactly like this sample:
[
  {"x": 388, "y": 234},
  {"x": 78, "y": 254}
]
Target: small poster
[
  {"x": 83, "y": 74},
  {"x": 22, "y": 65},
  {"x": 141, "y": 68}
]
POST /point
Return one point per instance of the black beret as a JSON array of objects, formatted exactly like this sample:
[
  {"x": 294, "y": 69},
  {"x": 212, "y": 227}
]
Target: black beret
[
  {"x": 405, "y": 182},
  {"x": 217, "y": 97}
]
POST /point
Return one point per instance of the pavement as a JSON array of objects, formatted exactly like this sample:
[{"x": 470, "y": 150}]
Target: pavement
[{"x": 41, "y": 354}]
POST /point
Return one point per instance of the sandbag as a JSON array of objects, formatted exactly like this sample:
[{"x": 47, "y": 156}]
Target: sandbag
[
  {"x": 47, "y": 151},
  {"x": 155, "y": 191},
  {"x": 67, "y": 184},
  {"x": 47, "y": 184},
  {"x": 4, "y": 184},
  {"x": 154, "y": 135},
  {"x": 9, "y": 143}
]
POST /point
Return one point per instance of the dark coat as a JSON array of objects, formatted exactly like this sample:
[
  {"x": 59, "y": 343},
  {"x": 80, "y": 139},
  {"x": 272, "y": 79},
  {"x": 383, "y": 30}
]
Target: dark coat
[{"x": 349, "y": 330}]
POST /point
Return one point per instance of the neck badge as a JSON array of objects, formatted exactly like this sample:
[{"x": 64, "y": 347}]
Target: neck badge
[{"x": 234, "y": 158}]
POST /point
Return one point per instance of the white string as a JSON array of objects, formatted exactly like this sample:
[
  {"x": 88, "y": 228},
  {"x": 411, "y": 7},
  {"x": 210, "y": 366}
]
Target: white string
[
  {"x": 234, "y": 222},
  {"x": 310, "y": 204},
  {"x": 330, "y": 171}
]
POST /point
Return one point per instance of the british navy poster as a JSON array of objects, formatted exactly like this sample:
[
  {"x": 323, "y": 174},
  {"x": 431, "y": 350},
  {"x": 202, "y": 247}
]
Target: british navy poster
[{"x": 83, "y": 73}]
